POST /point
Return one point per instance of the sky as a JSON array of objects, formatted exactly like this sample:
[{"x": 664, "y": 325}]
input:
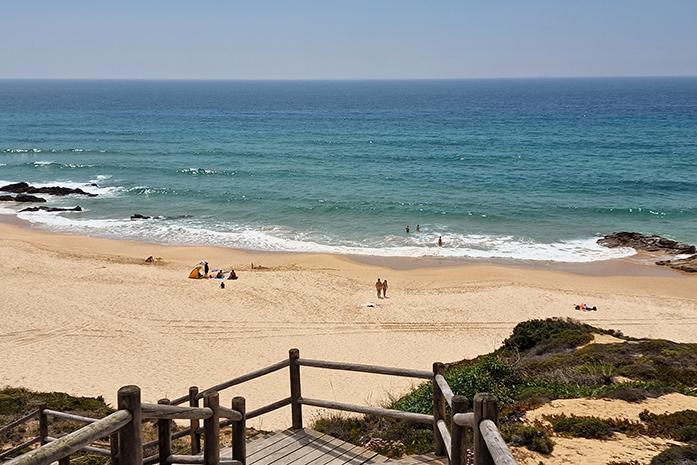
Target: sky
[{"x": 346, "y": 39}]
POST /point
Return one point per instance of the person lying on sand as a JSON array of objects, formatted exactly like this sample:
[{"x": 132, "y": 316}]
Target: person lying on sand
[{"x": 585, "y": 308}]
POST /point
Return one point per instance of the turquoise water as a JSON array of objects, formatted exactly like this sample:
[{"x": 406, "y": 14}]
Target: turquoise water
[{"x": 526, "y": 169}]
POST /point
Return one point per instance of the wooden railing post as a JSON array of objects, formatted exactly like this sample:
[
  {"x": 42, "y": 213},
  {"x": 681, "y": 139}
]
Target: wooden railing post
[
  {"x": 211, "y": 429},
  {"x": 164, "y": 437},
  {"x": 438, "y": 409},
  {"x": 295, "y": 406},
  {"x": 195, "y": 434},
  {"x": 43, "y": 425},
  {"x": 484, "y": 409},
  {"x": 131, "y": 435},
  {"x": 114, "y": 446},
  {"x": 458, "y": 449},
  {"x": 239, "y": 440}
]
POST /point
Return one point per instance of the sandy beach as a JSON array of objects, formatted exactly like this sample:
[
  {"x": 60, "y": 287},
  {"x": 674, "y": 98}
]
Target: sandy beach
[{"x": 87, "y": 315}]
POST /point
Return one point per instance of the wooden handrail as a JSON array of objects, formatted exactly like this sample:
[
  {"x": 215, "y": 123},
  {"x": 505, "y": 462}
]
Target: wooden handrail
[
  {"x": 268, "y": 408},
  {"x": 235, "y": 381},
  {"x": 445, "y": 434},
  {"x": 174, "y": 412},
  {"x": 123, "y": 426},
  {"x": 445, "y": 389},
  {"x": 381, "y": 412},
  {"x": 29, "y": 416},
  {"x": 93, "y": 450},
  {"x": 464, "y": 419},
  {"x": 185, "y": 459},
  {"x": 69, "y": 416},
  {"x": 381, "y": 370},
  {"x": 494, "y": 442},
  {"x": 75, "y": 441},
  {"x": 24, "y": 445},
  {"x": 229, "y": 413}
]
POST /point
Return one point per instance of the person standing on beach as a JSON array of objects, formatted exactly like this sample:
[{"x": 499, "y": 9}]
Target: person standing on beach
[
  {"x": 384, "y": 289},
  {"x": 378, "y": 287}
]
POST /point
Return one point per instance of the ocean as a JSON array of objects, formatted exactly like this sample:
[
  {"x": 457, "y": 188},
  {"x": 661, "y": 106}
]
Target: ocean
[{"x": 527, "y": 169}]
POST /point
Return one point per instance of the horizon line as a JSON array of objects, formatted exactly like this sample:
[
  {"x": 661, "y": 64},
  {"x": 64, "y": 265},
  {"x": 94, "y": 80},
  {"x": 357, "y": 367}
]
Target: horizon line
[{"x": 492, "y": 78}]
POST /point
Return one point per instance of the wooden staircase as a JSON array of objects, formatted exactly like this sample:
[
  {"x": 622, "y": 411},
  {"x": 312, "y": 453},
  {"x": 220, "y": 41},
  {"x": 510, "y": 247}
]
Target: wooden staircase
[{"x": 308, "y": 447}]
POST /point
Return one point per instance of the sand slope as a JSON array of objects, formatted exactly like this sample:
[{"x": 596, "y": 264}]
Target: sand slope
[{"x": 86, "y": 316}]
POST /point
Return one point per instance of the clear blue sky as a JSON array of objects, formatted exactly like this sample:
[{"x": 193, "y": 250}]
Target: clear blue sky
[{"x": 346, "y": 39}]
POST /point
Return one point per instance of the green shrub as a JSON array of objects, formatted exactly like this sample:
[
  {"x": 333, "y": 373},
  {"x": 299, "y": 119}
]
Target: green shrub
[
  {"x": 681, "y": 426},
  {"x": 549, "y": 335},
  {"x": 581, "y": 427},
  {"x": 676, "y": 455},
  {"x": 532, "y": 437},
  {"x": 488, "y": 373},
  {"x": 628, "y": 393},
  {"x": 16, "y": 401}
]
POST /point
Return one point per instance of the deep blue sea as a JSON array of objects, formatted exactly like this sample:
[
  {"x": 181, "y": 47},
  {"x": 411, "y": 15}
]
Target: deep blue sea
[{"x": 526, "y": 169}]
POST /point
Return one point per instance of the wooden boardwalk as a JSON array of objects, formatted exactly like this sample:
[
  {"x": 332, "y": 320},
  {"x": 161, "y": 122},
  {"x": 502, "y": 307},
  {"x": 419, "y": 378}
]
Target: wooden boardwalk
[{"x": 308, "y": 447}]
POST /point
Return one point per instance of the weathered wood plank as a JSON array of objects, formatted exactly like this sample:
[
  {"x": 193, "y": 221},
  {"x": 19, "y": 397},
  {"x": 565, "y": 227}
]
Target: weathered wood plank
[
  {"x": 497, "y": 446},
  {"x": 256, "y": 445},
  {"x": 445, "y": 436},
  {"x": 268, "y": 408},
  {"x": 185, "y": 459},
  {"x": 69, "y": 416},
  {"x": 174, "y": 412},
  {"x": 320, "y": 449},
  {"x": 276, "y": 445},
  {"x": 17, "y": 448},
  {"x": 280, "y": 450},
  {"x": 92, "y": 450},
  {"x": 74, "y": 441},
  {"x": 445, "y": 389},
  {"x": 380, "y": 370},
  {"x": 382, "y": 412},
  {"x": 307, "y": 445},
  {"x": 29, "y": 416}
]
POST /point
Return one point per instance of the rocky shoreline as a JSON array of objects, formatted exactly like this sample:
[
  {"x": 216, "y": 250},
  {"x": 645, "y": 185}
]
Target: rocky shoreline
[{"x": 655, "y": 243}]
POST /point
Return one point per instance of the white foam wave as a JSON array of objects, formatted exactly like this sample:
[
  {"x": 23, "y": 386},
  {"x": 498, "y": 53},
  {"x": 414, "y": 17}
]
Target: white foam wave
[
  {"x": 281, "y": 240},
  {"x": 44, "y": 163},
  {"x": 204, "y": 171},
  {"x": 18, "y": 150}
]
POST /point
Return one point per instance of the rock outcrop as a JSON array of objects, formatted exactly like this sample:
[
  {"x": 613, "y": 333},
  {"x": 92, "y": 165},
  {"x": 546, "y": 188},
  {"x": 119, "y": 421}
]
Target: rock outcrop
[
  {"x": 650, "y": 243},
  {"x": 28, "y": 198},
  {"x": 138, "y": 216},
  {"x": 52, "y": 209},
  {"x": 24, "y": 188},
  {"x": 688, "y": 264}
]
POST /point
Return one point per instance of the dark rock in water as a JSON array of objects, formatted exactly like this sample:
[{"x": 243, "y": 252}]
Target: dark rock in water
[
  {"x": 52, "y": 209},
  {"x": 650, "y": 243},
  {"x": 6, "y": 198},
  {"x": 16, "y": 188},
  {"x": 28, "y": 198},
  {"x": 688, "y": 264},
  {"x": 24, "y": 188},
  {"x": 58, "y": 191},
  {"x": 138, "y": 216}
]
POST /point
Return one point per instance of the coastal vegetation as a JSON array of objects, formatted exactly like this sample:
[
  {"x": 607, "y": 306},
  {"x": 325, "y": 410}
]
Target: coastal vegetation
[
  {"x": 545, "y": 360},
  {"x": 541, "y": 361}
]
